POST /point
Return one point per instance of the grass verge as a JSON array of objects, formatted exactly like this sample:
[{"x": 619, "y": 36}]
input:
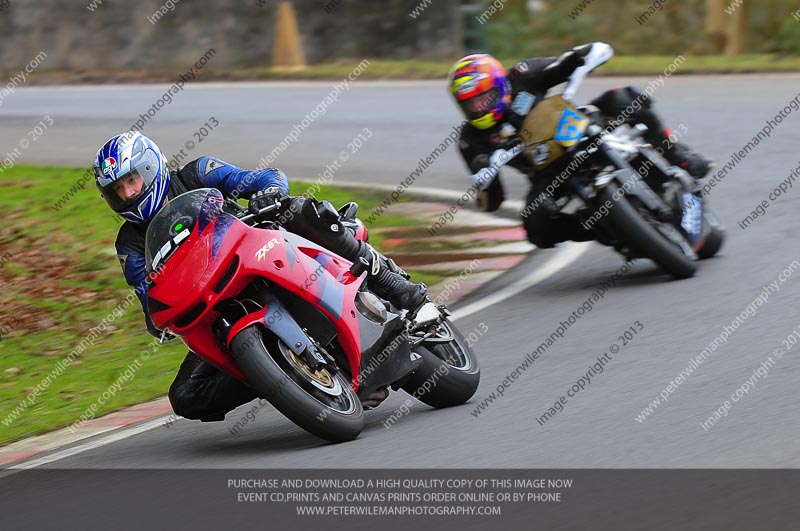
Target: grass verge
[{"x": 417, "y": 69}]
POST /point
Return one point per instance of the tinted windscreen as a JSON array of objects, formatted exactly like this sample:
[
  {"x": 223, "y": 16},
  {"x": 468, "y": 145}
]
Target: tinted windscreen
[{"x": 174, "y": 223}]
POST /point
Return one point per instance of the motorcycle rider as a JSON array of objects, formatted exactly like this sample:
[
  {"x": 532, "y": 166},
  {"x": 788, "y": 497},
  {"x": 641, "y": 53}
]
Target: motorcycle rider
[
  {"x": 495, "y": 104},
  {"x": 132, "y": 175}
]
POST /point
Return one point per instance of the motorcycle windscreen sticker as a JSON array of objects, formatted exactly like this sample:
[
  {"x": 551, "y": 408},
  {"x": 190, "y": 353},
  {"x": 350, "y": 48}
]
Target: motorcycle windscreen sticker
[
  {"x": 570, "y": 128},
  {"x": 523, "y": 103}
]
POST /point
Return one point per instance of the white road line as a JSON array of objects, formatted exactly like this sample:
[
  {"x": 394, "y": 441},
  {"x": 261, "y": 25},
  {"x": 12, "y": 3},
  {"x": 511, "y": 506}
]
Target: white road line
[
  {"x": 568, "y": 253},
  {"x": 117, "y": 435},
  {"x": 438, "y": 193}
]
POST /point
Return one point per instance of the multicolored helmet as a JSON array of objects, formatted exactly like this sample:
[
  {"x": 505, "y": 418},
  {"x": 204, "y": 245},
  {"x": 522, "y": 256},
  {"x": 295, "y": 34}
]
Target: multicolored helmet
[
  {"x": 481, "y": 88},
  {"x": 132, "y": 155}
]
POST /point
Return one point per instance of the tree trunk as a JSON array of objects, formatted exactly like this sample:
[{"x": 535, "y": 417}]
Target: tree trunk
[
  {"x": 737, "y": 35},
  {"x": 715, "y": 25}
]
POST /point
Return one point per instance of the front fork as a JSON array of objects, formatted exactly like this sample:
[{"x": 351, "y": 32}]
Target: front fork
[
  {"x": 274, "y": 317},
  {"x": 696, "y": 221},
  {"x": 633, "y": 184}
]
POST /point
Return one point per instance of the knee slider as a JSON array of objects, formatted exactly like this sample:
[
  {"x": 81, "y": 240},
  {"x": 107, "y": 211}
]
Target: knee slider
[
  {"x": 182, "y": 404},
  {"x": 536, "y": 235},
  {"x": 540, "y": 240},
  {"x": 186, "y": 406}
]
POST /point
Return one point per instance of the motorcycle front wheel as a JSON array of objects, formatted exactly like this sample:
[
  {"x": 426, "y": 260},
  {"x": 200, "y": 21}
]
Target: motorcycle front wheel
[
  {"x": 321, "y": 403},
  {"x": 626, "y": 223}
]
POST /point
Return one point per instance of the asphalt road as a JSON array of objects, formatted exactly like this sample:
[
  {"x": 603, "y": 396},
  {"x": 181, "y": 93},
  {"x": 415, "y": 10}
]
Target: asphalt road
[{"x": 597, "y": 427}]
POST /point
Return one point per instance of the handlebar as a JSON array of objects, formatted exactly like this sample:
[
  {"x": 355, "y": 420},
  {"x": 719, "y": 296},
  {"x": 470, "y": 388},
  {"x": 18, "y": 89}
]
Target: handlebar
[
  {"x": 484, "y": 177},
  {"x": 232, "y": 207},
  {"x": 243, "y": 214}
]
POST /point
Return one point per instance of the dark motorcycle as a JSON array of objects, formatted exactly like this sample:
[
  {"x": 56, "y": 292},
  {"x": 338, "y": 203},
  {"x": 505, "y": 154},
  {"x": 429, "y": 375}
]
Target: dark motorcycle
[{"x": 632, "y": 198}]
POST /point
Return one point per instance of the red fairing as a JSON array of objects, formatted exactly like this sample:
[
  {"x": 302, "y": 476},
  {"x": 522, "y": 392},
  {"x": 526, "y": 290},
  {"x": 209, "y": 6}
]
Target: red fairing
[
  {"x": 361, "y": 232},
  {"x": 183, "y": 291}
]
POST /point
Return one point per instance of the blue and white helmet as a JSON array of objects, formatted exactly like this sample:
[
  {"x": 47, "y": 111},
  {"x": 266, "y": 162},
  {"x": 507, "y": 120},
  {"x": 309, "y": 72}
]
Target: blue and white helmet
[{"x": 121, "y": 156}]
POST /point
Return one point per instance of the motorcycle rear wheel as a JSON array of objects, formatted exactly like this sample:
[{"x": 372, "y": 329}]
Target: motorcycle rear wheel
[{"x": 449, "y": 374}]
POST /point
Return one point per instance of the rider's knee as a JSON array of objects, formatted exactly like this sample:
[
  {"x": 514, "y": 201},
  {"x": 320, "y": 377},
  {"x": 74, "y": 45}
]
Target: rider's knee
[
  {"x": 541, "y": 239},
  {"x": 537, "y": 231},
  {"x": 187, "y": 404},
  {"x": 182, "y": 403}
]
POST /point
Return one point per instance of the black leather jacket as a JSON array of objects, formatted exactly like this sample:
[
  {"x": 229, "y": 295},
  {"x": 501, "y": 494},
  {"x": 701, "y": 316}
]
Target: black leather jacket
[{"x": 532, "y": 77}]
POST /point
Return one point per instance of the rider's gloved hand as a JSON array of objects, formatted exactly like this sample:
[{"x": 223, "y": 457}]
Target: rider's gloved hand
[
  {"x": 492, "y": 197},
  {"x": 264, "y": 198},
  {"x": 479, "y": 162},
  {"x": 510, "y": 142}
]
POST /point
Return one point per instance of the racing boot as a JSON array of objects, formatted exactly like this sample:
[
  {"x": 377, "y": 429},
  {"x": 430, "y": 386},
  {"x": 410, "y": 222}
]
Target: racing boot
[
  {"x": 384, "y": 277},
  {"x": 679, "y": 154},
  {"x": 684, "y": 157},
  {"x": 388, "y": 281},
  {"x": 375, "y": 398}
]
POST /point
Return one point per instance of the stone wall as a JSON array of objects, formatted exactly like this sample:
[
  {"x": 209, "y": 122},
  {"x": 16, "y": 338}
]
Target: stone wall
[{"x": 120, "y": 34}]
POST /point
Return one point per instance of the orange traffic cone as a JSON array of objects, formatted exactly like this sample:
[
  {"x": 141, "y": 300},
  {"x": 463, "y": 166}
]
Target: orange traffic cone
[{"x": 288, "y": 50}]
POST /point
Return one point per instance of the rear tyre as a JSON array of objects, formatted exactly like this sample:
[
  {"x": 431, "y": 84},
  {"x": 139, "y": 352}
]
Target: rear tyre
[
  {"x": 318, "y": 402},
  {"x": 449, "y": 374},
  {"x": 627, "y": 224}
]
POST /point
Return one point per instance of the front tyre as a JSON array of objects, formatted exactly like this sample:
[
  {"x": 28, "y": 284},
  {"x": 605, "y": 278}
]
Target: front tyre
[
  {"x": 627, "y": 224},
  {"x": 318, "y": 402},
  {"x": 449, "y": 374}
]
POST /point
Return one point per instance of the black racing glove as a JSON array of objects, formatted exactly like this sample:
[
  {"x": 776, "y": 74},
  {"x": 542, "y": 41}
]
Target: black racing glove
[
  {"x": 478, "y": 163},
  {"x": 490, "y": 199},
  {"x": 264, "y": 198}
]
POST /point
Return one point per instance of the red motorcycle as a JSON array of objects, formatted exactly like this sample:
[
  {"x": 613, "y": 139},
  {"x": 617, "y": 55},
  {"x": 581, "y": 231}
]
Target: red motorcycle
[{"x": 292, "y": 319}]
